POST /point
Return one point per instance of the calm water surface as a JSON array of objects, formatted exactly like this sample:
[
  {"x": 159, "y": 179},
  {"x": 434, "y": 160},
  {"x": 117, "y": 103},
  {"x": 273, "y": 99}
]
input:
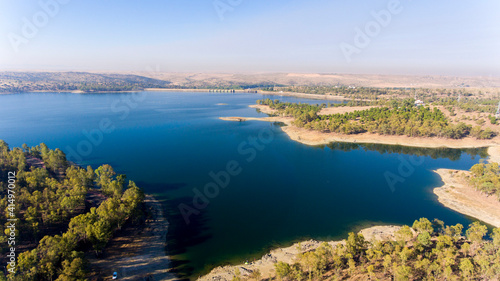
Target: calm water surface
[{"x": 170, "y": 142}]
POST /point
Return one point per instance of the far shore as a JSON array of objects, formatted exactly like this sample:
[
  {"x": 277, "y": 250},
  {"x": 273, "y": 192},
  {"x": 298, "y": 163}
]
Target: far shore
[
  {"x": 458, "y": 195},
  {"x": 288, "y": 94},
  {"x": 289, "y": 255}
]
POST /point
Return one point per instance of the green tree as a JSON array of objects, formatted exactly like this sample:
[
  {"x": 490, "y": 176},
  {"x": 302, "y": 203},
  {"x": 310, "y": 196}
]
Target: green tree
[
  {"x": 476, "y": 232},
  {"x": 404, "y": 234},
  {"x": 423, "y": 225},
  {"x": 283, "y": 270},
  {"x": 424, "y": 239},
  {"x": 104, "y": 176},
  {"x": 466, "y": 268}
]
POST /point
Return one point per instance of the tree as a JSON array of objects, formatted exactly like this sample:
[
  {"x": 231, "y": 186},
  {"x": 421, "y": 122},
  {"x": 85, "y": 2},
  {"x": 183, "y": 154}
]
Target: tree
[
  {"x": 104, "y": 176},
  {"x": 355, "y": 243},
  {"x": 404, "y": 234},
  {"x": 466, "y": 268},
  {"x": 438, "y": 225},
  {"x": 454, "y": 231},
  {"x": 282, "y": 270},
  {"x": 424, "y": 239},
  {"x": 476, "y": 232},
  {"x": 423, "y": 225},
  {"x": 73, "y": 269},
  {"x": 100, "y": 233},
  {"x": 496, "y": 237}
]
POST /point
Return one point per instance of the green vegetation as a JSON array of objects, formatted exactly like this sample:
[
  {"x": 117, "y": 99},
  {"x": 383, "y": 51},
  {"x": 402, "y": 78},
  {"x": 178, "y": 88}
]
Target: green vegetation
[
  {"x": 486, "y": 178},
  {"x": 400, "y": 118},
  {"x": 50, "y": 198},
  {"x": 338, "y": 90},
  {"x": 469, "y": 105},
  {"x": 426, "y": 251},
  {"x": 468, "y": 97}
]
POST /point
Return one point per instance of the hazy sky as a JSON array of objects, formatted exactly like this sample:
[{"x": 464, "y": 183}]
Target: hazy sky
[{"x": 448, "y": 37}]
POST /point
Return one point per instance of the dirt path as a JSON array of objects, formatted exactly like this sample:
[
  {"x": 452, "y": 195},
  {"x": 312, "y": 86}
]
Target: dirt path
[{"x": 138, "y": 253}]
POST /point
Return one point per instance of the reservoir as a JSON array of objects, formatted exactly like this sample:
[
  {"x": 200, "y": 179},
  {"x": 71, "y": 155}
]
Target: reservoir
[{"x": 234, "y": 190}]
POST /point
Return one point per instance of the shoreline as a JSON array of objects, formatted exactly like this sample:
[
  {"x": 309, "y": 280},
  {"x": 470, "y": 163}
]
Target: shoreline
[
  {"x": 457, "y": 195},
  {"x": 139, "y": 254},
  {"x": 289, "y": 94},
  {"x": 312, "y": 137},
  {"x": 265, "y": 265}
]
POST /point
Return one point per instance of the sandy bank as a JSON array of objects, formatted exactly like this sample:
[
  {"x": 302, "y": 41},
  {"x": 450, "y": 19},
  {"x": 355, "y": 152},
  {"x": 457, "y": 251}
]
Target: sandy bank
[
  {"x": 242, "y": 119},
  {"x": 494, "y": 152},
  {"x": 312, "y": 137},
  {"x": 456, "y": 194},
  {"x": 289, "y": 255}
]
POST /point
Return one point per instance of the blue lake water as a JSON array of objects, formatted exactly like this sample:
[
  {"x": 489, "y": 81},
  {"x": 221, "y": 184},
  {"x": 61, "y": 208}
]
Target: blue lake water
[{"x": 280, "y": 192}]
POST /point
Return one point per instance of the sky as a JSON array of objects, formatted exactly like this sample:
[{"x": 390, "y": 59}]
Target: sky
[{"x": 447, "y": 37}]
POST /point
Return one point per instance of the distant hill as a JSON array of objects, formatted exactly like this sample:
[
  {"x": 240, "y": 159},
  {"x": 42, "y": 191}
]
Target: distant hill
[
  {"x": 210, "y": 80},
  {"x": 129, "y": 81},
  {"x": 75, "y": 81}
]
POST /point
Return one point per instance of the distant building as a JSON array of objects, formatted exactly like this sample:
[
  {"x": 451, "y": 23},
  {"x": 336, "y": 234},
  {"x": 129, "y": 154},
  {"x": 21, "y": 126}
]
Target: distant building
[{"x": 419, "y": 103}]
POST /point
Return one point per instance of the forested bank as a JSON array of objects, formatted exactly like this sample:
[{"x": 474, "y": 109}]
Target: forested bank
[
  {"x": 427, "y": 250},
  {"x": 486, "y": 178},
  {"x": 395, "y": 117},
  {"x": 56, "y": 223}
]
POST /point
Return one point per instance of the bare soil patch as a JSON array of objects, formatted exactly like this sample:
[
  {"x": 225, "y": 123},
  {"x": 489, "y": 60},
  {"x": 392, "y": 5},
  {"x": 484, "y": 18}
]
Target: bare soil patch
[
  {"x": 137, "y": 253},
  {"x": 458, "y": 195}
]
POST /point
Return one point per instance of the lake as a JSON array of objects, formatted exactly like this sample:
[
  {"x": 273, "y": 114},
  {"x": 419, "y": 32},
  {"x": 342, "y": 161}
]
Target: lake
[{"x": 234, "y": 190}]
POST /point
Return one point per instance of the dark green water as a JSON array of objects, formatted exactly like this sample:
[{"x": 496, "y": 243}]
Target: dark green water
[{"x": 284, "y": 192}]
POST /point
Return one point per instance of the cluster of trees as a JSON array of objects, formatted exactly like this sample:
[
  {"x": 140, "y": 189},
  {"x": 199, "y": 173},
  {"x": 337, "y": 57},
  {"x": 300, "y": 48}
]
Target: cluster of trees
[
  {"x": 47, "y": 198},
  {"x": 400, "y": 118},
  {"x": 469, "y": 105},
  {"x": 426, "y": 251},
  {"x": 486, "y": 178},
  {"x": 60, "y": 257},
  {"x": 469, "y": 101},
  {"x": 341, "y": 90},
  {"x": 45, "y": 195}
]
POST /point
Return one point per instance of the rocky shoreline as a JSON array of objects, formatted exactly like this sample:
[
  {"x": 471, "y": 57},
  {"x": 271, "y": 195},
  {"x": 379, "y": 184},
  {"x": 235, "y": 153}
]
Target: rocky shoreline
[{"x": 265, "y": 265}]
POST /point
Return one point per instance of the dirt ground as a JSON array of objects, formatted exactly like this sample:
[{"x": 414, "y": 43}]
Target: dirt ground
[
  {"x": 137, "y": 253},
  {"x": 470, "y": 118},
  {"x": 265, "y": 265},
  {"x": 456, "y": 194}
]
